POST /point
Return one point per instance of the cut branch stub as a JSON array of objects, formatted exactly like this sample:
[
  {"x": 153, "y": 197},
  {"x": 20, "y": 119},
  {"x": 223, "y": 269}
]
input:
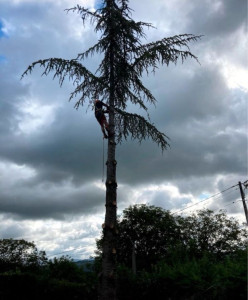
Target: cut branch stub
[{"x": 111, "y": 183}]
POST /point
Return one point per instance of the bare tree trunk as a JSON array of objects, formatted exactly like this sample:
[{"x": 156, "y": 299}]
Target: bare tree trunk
[
  {"x": 109, "y": 248},
  {"x": 108, "y": 285}
]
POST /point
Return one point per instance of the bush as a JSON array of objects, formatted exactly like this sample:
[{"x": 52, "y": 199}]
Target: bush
[{"x": 195, "y": 279}]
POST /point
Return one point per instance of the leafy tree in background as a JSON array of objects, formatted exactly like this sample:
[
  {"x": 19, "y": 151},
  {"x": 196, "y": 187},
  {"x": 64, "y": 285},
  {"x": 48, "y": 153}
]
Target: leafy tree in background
[
  {"x": 63, "y": 268},
  {"x": 26, "y": 273},
  {"x": 158, "y": 235},
  {"x": 20, "y": 254},
  {"x": 212, "y": 233},
  {"x": 117, "y": 80},
  {"x": 148, "y": 231}
]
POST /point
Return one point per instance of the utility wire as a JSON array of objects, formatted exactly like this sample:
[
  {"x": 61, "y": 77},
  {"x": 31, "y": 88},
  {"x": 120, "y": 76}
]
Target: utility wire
[
  {"x": 206, "y": 199},
  {"x": 233, "y": 202},
  {"x": 220, "y": 196},
  {"x": 227, "y": 194}
]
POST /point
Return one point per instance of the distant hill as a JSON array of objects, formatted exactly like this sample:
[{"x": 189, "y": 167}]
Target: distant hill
[{"x": 87, "y": 264}]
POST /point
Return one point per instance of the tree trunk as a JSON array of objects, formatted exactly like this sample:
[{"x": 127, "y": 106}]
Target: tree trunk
[
  {"x": 108, "y": 284},
  {"x": 108, "y": 289}
]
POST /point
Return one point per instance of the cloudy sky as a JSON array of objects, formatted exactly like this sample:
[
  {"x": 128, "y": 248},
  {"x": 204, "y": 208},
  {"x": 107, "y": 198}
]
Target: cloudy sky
[{"x": 51, "y": 155}]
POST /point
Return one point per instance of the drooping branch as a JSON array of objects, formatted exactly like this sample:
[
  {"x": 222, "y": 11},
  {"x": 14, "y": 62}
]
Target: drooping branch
[
  {"x": 61, "y": 68},
  {"x": 138, "y": 128},
  {"x": 86, "y": 82},
  {"x": 164, "y": 51}
]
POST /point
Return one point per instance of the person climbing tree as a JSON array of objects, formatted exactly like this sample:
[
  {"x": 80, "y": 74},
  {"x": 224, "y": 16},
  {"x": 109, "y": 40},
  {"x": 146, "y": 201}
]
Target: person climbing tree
[{"x": 100, "y": 116}]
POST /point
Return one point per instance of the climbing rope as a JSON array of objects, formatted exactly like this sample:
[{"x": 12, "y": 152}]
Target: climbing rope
[{"x": 103, "y": 160}]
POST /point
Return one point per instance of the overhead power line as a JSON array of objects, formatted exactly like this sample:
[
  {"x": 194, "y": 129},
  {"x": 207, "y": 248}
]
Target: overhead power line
[
  {"x": 233, "y": 202},
  {"x": 206, "y": 199}
]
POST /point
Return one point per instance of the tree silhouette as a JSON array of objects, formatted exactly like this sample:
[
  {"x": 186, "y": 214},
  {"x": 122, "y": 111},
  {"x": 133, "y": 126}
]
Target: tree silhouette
[{"x": 118, "y": 79}]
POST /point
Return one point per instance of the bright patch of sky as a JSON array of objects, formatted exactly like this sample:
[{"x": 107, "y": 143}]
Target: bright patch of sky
[
  {"x": 35, "y": 117},
  {"x": 98, "y": 4},
  {"x": 236, "y": 77},
  {"x": 53, "y": 235},
  {"x": 2, "y": 58},
  {"x": 2, "y": 34},
  {"x": 204, "y": 196},
  {"x": 5, "y": 28}
]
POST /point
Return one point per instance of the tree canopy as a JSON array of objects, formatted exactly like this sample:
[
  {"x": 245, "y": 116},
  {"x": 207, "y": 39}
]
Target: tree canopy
[
  {"x": 20, "y": 254},
  {"x": 213, "y": 233}
]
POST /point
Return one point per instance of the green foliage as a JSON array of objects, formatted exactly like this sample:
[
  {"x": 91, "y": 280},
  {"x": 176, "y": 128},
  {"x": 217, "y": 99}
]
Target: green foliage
[
  {"x": 59, "y": 278},
  {"x": 176, "y": 259},
  {"x": 159, "y": 235},
  {"x": 64, "y": 268},
  {"x": 193, "y": 279},
  {"x": 125, "y": 59},
  {"x": 207, "y": 232},
  {"x": 20, "y": 254},
  {"x": 32, "y": 286},
  {"x": 152, "y": 230}
]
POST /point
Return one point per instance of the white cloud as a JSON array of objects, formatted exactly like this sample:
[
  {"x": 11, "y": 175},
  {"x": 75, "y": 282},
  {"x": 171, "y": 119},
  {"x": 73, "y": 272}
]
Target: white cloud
[
  {"x": 165, "y": 195},
  {"x": 7, "y": 28},
  {"x": 74, "y": 237},
  {"x": 35, "y": 116},
  {"x": 11, "y": 174},
  {"x": 236, "y": 77}
]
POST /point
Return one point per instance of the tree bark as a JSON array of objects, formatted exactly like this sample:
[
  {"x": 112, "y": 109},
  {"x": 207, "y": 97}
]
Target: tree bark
[
  {"x": 108, "y": 289},
  {"x": 108, "y": 286}
]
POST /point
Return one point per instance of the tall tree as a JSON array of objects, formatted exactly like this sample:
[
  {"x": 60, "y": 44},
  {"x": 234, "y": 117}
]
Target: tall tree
[
  {"x": 212, "y": 233},
  {"x": 118, "y": 79},
  {"x": 150, "y": 230}
]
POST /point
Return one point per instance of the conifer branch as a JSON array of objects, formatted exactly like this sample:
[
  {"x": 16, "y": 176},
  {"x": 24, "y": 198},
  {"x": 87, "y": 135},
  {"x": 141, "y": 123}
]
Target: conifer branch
[
  {"x": 164, "y": 51},
  {"x": 86, "y": 82},
  {"x": 138, "y": 128},
  {"x": 61, "y": 68},
  {"x": 129, "y": 95},
  {"x": 85, "y": 13}
]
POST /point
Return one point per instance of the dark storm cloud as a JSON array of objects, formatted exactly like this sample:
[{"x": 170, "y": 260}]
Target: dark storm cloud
[
  {"x": 217, "y": 18},
  {"x": 205, "y": 134},
  {"x": 189, "y": 97},
  {"x": 51, "y": 201},
  {"x": 59, "y": 151},
  {"x": 204, "y": 118}
]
